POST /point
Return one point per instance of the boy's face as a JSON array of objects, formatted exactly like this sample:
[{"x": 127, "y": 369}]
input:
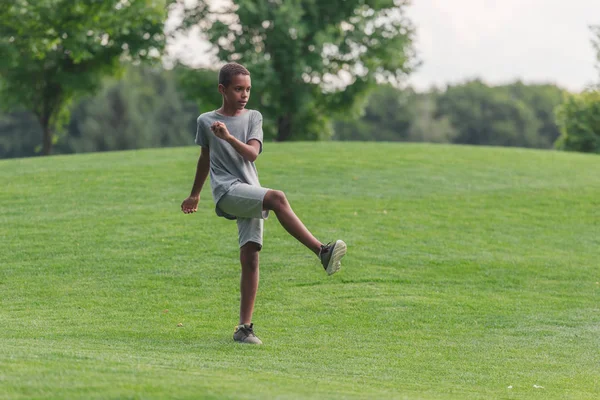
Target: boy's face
[{"x": 237, "y": 93}]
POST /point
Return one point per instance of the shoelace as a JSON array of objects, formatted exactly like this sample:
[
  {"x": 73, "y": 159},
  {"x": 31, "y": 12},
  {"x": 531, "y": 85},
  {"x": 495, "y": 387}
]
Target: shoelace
[
  {"x": 324, "y": 248},
  {"x": 248, "y": 330}
]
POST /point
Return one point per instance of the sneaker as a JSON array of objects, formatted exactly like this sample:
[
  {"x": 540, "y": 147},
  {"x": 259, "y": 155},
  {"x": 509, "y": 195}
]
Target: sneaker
[
  {"x": 331, "y": 254},
  {"x": 245, "y": 334}
]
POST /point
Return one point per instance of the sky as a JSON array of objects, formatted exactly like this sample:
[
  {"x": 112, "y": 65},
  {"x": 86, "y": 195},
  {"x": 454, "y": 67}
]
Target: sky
[
  {"x": 504, "y": 40},
  {"x": 499, "y": 41}
]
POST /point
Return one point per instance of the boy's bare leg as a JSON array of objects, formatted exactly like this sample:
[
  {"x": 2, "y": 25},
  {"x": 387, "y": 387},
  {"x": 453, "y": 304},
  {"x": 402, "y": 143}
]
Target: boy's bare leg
[
  {"x": 249, "y": 280},
  {"x": 276, "y": 201}
]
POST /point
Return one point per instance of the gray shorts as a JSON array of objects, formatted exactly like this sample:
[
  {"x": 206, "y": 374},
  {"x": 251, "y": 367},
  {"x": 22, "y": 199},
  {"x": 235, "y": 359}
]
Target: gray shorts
[{"x": 245, "y": 202}]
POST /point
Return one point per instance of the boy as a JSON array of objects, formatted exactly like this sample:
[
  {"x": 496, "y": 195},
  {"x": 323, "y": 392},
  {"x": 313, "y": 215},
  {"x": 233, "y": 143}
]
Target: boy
[{"x": 231, "y": 140}]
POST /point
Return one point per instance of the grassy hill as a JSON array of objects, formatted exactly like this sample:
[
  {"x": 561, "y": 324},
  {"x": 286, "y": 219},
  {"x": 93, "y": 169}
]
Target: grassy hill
[{"x": 472, "y": 273}]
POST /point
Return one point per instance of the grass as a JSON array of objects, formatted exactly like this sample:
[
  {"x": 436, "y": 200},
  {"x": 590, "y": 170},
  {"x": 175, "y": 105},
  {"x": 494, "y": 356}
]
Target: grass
[{"x": 472, "y": 273}]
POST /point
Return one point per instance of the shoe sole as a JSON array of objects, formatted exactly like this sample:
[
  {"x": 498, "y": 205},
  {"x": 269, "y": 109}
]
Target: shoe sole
[
  {"x": 339, "y": 251},
  {"x": 257, "y": 342}
]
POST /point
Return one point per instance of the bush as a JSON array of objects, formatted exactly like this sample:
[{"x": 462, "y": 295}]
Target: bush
[{"x": 579, "y": 121}]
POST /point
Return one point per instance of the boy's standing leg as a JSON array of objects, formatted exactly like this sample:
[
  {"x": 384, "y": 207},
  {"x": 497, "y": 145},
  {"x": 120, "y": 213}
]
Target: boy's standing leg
[
  {"x": 249, "y": 259},
  {"x": 249, "y": 256}
]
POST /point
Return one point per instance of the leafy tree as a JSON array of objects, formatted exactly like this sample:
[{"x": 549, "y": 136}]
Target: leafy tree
[
  {"x": 579, "y": 121},
  {"x": 19, "y": 131},
  {"x": 387, "y": 116},
  {"x": 579, "y": 116},
  {"x": 51, "y": 50},
  {"x": 483, "y": 115},
  {"x": 143, "y": 109},
  {"x": 542, "y": 99},
  {"x": 199, "y": 86},
  {"x": 425, "y": 127},
  {"x": 310, "y": 59},
  {"x": 468, "y": 113}
]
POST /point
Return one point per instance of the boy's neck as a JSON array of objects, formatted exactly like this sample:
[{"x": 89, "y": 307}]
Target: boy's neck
[{"x": 230, "y": 111}]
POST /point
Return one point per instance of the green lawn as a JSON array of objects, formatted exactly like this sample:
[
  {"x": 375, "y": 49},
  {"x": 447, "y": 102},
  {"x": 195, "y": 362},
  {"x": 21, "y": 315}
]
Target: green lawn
[{"x": 472, "y": 273}]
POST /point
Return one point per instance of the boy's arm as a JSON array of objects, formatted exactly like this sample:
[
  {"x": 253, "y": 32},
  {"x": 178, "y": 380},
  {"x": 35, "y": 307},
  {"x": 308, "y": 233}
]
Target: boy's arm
[
  {"x": 249, "y": 151},
  {"x": 190, "y": 204}
]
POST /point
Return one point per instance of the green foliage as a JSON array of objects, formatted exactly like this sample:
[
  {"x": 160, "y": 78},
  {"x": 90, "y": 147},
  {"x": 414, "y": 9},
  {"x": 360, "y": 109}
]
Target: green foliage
[
  {"x": 52, "y": 50},
  {"x": 142, "y": 109},
  {"x": 151, "y": 107},
  {"x": 542, "y": 99},
  {"x": 388, "y": 116},
  {"x": 579, "y": 121},
  {"x": 483, "y": 115},
  {"x": 199, "y": 86},
  {"x": 310, "y": 59},
  {"x": 19, "y": 132},
  {"x": 425, "y": 125},
  {"x": 475, "y": 113}
]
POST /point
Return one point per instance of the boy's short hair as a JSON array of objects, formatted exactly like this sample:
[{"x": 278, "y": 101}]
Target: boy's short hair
[{"x": 229, "y": 70}]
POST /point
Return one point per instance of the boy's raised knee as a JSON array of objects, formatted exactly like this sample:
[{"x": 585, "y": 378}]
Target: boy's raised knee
[{"x": 275, "y": 200}]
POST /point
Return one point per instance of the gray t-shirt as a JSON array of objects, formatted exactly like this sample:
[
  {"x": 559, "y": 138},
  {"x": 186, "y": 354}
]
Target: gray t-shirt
[{"x": 227, "y": 166}]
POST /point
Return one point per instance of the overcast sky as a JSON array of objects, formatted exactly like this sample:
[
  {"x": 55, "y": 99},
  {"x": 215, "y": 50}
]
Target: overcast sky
[
  {"x": 496, "y": 40},
  {"x": 504, "y": 40}
]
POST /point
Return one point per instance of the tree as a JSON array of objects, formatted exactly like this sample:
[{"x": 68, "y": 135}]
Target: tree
[
  {"x": 52, "y": 50},
  {"x": 199, "y": 86},
  {"x": 310, "y": 59},
  {"x": 142, "y": 109},
  {"x": 542, "y": 99},
  {"x": 579, "y": 121},
  {"x": 18, "y": 133},
  {"x": 484, "y": 115},
  {"x": 579, "y": 116},
  {"x": 475, "y": 113},
  {"x": 387, "y": 116},
  {"x": 425, "y": 127}
]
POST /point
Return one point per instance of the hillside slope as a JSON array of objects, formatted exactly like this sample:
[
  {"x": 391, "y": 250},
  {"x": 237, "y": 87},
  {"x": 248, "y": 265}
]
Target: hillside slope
[{"x": 471, "y": 273}]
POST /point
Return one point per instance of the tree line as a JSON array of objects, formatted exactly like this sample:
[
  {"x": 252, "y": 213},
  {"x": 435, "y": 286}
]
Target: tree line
[
  {"x": 150, "y": 106},
  {"x": 81, "y": 76}
]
